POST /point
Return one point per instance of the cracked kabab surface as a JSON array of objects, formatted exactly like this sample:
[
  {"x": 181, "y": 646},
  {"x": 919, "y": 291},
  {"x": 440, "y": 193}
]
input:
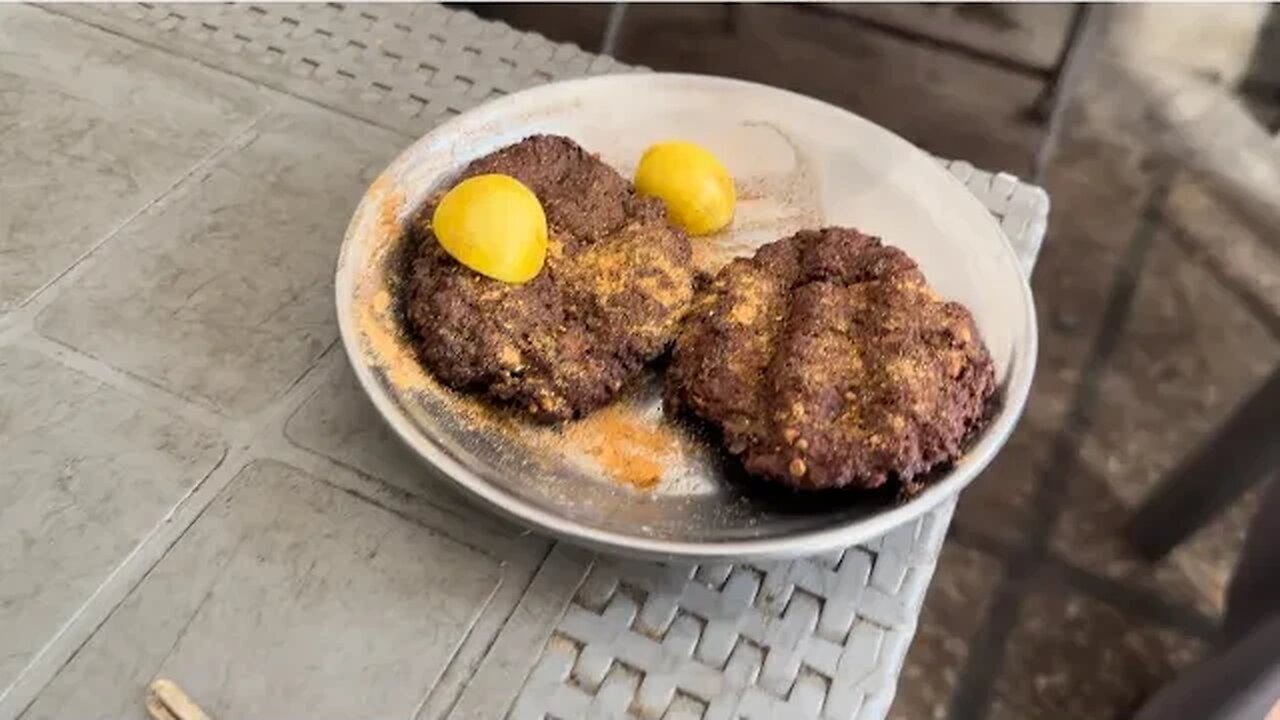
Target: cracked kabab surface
[
  {"x": 826, "y": 360},
  {"x": 617, "y": 281}
]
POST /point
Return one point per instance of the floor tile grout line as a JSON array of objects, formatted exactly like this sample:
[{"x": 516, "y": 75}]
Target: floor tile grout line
[
  {"x": 242, "y": 441},
  {"x": 198, "y": 415},
  {"x": 273, "y": 441},
  {"x": 24, "y": 316},
  {"x": 487, "y": 538},
  {"x": 971, "y": 698},
  {"x": 119, "y": 584},
  {"x": 19, "y": 327},
  {"x": 21, "y": 330},
  {"x": 538, "y": 570},
  {"x": 151, "y": 550},
  {"x": 569, "y": 564},
  {"x": 24, "y": 332},
  {"x": 409, "y": 506}
]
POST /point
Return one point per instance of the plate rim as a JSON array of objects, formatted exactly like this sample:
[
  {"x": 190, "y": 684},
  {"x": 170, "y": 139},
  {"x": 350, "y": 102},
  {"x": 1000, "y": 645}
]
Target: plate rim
[{"x": 801, "y": 543}]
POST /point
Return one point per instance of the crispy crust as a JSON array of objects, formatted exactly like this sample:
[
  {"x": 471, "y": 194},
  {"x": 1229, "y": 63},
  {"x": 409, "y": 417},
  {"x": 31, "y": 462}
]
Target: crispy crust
[
  {"x": 827, "y": 361},
  {"x": 616, "y": 283}
]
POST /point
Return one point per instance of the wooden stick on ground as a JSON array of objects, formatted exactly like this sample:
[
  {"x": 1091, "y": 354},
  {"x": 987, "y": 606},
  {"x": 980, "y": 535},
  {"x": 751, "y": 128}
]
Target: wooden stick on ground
[
  {"x": 157, "y": 710},
  {"x": 167, "y": 701}
]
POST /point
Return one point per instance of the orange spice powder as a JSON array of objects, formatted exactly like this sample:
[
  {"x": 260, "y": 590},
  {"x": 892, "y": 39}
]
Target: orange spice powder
[
  {"x": 383, "y": 343},
  {"x": 628, "y": 449}
]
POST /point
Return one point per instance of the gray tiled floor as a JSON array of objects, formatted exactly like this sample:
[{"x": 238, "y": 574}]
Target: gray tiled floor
[
  {"x": 244, "y": 587},
  {"x": 200, "y": 302},
  {"x": 88, "y": 473},
  {"x": 338, "y": 421},
  {"x": 114, "y": 488},
  {"x": 79, "y": 156}
]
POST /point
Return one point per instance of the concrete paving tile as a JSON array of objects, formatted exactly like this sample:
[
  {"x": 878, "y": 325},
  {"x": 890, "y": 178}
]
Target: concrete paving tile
[
  {"x": 1189, "y": 351},
  {"x": 223, "y": 293},
  {"x": 287, "y": 598},
  {"x": 954, "y": 610},
  {"x": 340, "y": 423},
  {"x": 87, "y": 473},
  {"x": 1073, "y": 658},
  {"x": 94, "y": 127}
]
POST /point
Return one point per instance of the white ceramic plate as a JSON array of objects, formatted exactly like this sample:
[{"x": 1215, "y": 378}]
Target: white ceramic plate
[{"x": 798, "y": 163}]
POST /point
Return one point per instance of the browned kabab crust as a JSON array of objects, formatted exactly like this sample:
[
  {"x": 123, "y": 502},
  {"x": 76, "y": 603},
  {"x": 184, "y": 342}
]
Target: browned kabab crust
[
  {"x": 827, "y": 361},
  {"x": 616, "y": 283}
]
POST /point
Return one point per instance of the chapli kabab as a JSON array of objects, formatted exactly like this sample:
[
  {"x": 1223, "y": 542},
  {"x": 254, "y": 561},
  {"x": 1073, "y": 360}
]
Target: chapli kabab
[
  {"x": 826, "y": 361},
  {"x": 607, "y": 299}
]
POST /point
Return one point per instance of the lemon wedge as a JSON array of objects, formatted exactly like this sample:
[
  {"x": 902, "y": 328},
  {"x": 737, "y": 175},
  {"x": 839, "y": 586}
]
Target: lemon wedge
[
  {"x": 693, "y": 183},
  {"x": 494, "y": 225}
]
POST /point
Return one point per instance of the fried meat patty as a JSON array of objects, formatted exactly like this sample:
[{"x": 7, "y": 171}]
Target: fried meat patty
[
  {"x": 826, "y": 361},
  {"x": 616, "y": 283}
]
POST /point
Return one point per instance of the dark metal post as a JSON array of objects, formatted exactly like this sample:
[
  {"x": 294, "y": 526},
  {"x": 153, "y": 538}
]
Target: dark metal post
[{"x": 1241, "y": 453}]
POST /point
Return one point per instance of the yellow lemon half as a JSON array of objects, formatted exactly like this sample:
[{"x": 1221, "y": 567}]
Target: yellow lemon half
[
  {"x": 494, "y": 225},
  {"x": 693, "y": 183}
]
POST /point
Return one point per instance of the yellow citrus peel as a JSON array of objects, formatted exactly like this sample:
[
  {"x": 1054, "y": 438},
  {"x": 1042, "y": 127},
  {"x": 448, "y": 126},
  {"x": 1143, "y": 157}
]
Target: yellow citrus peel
[
  {"x": 693, "y": 183},
  {"x": 494, "y": 225}
]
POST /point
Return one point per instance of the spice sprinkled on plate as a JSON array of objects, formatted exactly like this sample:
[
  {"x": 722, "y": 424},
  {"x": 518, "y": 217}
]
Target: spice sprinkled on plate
[{"x": 628, "y": 448}]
